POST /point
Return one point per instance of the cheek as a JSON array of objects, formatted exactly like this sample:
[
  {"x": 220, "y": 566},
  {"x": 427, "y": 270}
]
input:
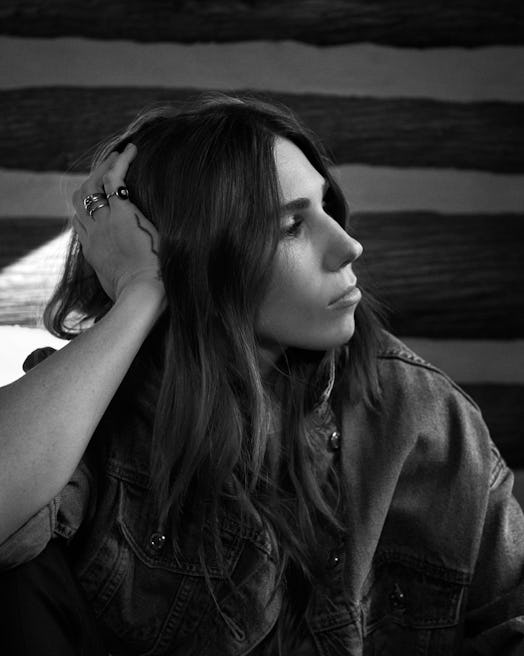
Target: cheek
[
  {"x": 289, "y": 297},
  {"x": 298, "y": 322},
  {"x": 294, "y": 311}
]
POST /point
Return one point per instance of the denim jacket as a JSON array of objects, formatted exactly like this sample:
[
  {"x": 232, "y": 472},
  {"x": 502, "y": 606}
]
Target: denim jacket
[{"x": 434, "y": 562}]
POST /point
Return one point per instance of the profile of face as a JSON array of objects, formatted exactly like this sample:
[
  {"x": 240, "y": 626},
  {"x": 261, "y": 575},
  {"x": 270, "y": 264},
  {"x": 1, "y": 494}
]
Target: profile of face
[{"x": 312, "y": 295}]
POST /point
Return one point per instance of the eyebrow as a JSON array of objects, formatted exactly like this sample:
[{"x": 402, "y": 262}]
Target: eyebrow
[{"x": 298, "y": 204}]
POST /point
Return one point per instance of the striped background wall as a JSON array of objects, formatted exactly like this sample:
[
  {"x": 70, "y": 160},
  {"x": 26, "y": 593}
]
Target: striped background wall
[{"x": 421, "y": 105}]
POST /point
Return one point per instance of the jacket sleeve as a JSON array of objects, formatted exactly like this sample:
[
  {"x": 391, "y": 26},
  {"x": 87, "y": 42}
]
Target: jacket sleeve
[
  {"x": 494, "y": 622},
  {"x": 60, "y": 518}
]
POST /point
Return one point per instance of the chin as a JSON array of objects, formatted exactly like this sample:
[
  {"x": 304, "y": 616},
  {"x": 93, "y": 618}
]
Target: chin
[
  {"x": 339, "y": 342},
  {"x": 344, "y": 334},
  {"x": 328, "y": 342}
]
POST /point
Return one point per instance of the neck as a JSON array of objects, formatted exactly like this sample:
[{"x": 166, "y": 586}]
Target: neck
[{"x": 268, "y": 355}]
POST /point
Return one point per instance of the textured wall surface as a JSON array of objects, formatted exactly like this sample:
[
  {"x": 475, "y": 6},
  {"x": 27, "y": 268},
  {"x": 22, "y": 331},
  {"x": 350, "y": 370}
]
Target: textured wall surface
[{"x": 421, "y": 106}]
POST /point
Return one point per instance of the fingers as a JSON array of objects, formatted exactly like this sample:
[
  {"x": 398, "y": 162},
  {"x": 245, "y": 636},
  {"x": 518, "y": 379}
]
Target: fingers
[
  {"x": 94, "y": 182},
  {"x": 114, "y": 176},
  {"x": 111, "y": 171},
  {"x": 92, "y": 185}
]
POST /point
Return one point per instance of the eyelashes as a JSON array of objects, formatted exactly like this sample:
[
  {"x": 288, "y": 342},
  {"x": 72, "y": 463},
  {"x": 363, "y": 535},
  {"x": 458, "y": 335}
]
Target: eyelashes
[
  {"x": 293, "y": 229},
  {"x": 331, "y": 205}
]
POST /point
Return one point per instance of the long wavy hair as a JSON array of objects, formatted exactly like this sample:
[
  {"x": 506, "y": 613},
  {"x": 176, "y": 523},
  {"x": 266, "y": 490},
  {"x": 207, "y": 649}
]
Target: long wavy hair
[{"x": 205, "y": 176}]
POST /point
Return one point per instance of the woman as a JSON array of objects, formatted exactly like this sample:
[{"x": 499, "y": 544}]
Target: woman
[{"x": 232, "y": 457}]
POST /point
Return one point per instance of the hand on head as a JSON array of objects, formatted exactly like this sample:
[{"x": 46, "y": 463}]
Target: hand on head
[{"x": 116, "y": 238}]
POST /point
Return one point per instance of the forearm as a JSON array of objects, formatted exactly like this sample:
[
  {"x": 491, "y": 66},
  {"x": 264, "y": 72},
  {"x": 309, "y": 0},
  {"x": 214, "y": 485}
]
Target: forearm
[{"x": 48, "y": 416}]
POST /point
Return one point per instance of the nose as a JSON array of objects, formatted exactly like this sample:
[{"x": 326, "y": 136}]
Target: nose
[{"x": 341, "y": 248}]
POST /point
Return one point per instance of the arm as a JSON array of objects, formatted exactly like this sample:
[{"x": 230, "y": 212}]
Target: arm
[{"x": 48, "y": 416}]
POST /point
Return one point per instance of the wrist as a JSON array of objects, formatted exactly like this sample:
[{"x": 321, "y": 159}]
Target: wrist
[{"x": 146, "y": 296}]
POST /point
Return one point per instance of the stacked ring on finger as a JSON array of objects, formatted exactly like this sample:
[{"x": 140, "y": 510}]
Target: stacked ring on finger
[
  {"x": 121, "y": 192},
  {"x": 94, "y": 202},
  {"x": 94, "y": 208}
]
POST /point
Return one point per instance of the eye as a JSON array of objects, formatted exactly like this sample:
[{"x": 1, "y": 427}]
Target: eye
[{"x": 292, "y": 229}]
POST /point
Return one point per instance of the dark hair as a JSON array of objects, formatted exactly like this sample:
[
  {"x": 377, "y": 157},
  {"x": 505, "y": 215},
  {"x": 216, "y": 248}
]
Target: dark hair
[{"x": 205, "y": 176}]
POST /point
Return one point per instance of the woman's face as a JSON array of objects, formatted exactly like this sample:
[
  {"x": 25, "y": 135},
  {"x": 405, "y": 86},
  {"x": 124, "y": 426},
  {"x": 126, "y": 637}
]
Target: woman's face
[{"x": 312, "y": 267}]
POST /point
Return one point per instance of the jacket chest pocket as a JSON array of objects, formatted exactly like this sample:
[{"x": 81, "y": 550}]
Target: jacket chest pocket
[
  {"x": 149, "y": 595},
  {"x": 412, "y": 609}
]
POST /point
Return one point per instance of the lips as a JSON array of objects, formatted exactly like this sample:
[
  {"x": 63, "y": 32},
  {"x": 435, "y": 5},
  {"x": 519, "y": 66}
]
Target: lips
[{"x": 343, "y": 295}]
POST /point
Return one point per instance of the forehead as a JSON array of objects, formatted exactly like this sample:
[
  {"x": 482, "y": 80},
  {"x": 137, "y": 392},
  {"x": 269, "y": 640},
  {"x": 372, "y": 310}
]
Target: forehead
[{"x": 297, "y": 177}]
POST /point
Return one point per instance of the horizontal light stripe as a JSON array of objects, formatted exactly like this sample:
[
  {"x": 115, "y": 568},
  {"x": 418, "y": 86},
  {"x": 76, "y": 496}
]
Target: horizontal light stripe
[
  {"x": 378, "y": 188},
  {"x": 24, "y": 193},
  {"x": 368, "y": 188},
  {"x": 463, "y": 74},
  {"x": 474, "y": 361}
]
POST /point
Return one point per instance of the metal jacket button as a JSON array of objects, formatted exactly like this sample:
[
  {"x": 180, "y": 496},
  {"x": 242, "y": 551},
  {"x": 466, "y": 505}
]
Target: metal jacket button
[
  {"x": 335, "y": 558},
  {"x": 334, "y": 441},
  {"x": 157, "y": 541},
  {"x": 397, "y": 598}
]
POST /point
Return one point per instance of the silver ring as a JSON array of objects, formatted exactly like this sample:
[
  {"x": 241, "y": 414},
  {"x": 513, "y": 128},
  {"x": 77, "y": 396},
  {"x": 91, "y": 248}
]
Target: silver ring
[
  {"x": 122, "y": 193},
  {"x": 90, "y": 200},
  {"x": 94, "y": 206}
]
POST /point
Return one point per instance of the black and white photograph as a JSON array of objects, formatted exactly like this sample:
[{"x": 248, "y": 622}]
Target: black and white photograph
[{"x": 261, "y": 328}]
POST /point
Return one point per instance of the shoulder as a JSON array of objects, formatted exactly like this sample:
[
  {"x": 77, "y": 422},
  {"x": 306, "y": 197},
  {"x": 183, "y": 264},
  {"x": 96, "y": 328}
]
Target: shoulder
[
  {"x": 428, "y": 413},
  {"x": 404, "y": 372},
  {"x": 420, "y": 413}
]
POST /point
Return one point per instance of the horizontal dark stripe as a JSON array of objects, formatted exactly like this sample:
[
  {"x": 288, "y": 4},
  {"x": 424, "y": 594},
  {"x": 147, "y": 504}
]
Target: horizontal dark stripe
[
  {"x": 46, "y": 129},
  {"x": 327, "y": 22},
  {"x": 446, "y": 276},
  {"x": 503, "y": 410},
  {"x": 442, "y": 276}
]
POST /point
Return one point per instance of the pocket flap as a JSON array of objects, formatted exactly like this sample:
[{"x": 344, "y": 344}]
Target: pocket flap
[{"x": 414, "y": 594}]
